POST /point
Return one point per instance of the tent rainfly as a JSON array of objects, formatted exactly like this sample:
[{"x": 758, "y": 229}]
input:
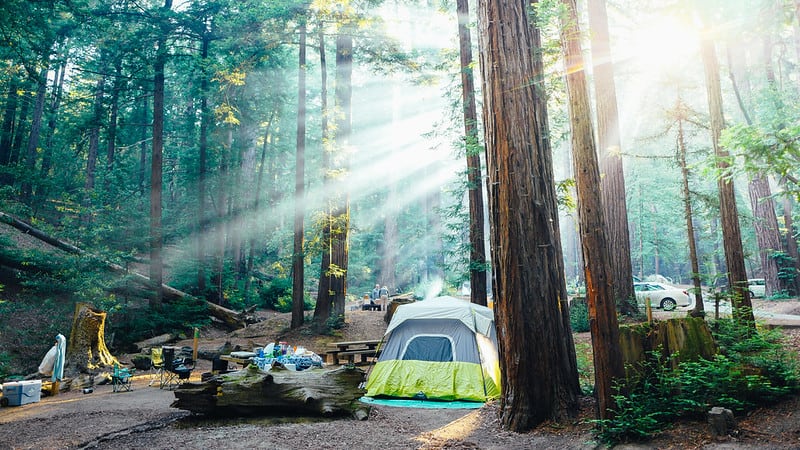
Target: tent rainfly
[{"x": 440, "y": 349}]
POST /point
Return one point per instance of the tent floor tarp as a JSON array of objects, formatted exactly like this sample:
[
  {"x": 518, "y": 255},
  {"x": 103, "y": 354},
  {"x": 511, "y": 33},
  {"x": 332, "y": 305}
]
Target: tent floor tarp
[{"x": 413, "y": 403}]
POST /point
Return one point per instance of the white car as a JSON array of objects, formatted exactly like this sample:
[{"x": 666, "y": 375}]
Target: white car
[
  {"x": 757, "y": 287},
  {"x": 661, "y": 295}
]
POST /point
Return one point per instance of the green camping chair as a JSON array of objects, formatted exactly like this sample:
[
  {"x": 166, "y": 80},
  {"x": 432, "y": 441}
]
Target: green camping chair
[{"x": 121, "y": 378}]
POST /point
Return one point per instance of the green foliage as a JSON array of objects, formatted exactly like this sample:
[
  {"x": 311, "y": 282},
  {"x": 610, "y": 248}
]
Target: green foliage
[
  {"x": 752, "y": 369},
  {"x": 273, "y": 292},
  {"x": 178, "y": 317},
  {"x": 579, "y": 315}
]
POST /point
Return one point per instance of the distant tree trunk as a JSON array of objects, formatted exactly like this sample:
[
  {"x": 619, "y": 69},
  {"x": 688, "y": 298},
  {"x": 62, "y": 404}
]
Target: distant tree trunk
[
  {"x": 257, "y": 202},
  {"x": 156, "y": 163},
  {"x": 537, "y": 353},
  {"x": 322, "y": 310},
  {"x": 767, "y": 232},
  {"x": 698, "y": 310},
  {"x": 477, "y": 254},
  {"x": 202, "y": 170},
  {"x": 613, "y": 182},
  {"x": 20, "y": 130},
  {"x": 791, "y": 247},
  {"x": 9, "y": 114},
  {"x": 731, "y": 232},
  {"x": 52, "y": 113},
  {"x": 35, "y": 133},
  {"x": 142, "y": 172},
  {"x": 765, "y": 221},
  {"x": 298, "y": 256},
  {"x": 94, "y": 146},
  {"x": 599, "y": 290},
  {"x": 111, "y": 145},
  {"x": 221, "y": 225}
]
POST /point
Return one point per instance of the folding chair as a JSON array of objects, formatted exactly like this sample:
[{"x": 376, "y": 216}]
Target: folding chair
[
  {"x": 121, "y": 378},
  {"x": 176, "y": 370},
  {"x": 156, "y": 366}
]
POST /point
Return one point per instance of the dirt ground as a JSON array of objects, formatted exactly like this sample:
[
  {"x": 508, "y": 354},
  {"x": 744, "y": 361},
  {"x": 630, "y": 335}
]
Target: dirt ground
[{"x": 143, "y": 417}]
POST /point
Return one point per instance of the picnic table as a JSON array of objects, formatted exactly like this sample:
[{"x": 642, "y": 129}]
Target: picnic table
[
  {"x": 348, "y": 351},
  {"x": 243, "y": 361}
]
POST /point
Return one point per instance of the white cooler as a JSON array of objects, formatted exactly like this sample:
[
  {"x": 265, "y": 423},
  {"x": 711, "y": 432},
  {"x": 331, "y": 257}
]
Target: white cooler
[{"x": 19, "y": 393}]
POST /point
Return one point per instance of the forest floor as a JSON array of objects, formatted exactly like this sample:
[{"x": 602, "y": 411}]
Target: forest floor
[{"x": 143, "y": 418}]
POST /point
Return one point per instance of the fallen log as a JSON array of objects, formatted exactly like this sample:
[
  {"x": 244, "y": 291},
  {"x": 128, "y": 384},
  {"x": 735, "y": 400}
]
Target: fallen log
[
  {"x": 250, "y": 391},
  {"x": 231, "y": 319}
]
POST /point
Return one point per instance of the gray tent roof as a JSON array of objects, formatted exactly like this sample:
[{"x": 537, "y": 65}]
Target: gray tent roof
[{"x": 477, "y": 318}]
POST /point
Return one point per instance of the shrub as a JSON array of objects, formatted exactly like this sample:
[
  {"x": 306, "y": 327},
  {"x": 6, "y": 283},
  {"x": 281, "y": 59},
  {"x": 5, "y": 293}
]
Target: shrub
[
  {"x": 579, "y": 315},
  {"x": 752, "y": 369}
]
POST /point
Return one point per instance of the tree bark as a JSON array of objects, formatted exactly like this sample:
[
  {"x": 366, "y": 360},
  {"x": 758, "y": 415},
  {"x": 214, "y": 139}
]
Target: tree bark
[
  {"x": 613, "y": 180},
  {"x": 9, "y": 115},
  {"x": 298, "y": 255},
  {"x": 731, "y": 231},
  {"x": 599, "y": 289},
  {"x": 537, "y": 354}
]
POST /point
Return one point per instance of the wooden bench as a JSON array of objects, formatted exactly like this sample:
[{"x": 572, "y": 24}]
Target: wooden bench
[{"x": 364, "y": 354}]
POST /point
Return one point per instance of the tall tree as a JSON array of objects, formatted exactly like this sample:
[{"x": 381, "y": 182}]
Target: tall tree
[
  {"x": 681, "y": 117},
  {"x": 603, "y": 324},
  {"x": 731, "y": 232},
  {"x": 537, "y": 354},
  {"x": 156, "y": 161},
  {"x": 298, "y": 290},
  {"x": 613, "y": 179},
  {"x": 477, "y": 252}
]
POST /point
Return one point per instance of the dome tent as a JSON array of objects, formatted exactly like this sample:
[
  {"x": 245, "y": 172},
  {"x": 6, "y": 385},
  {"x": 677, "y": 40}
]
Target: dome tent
[{"x": 440, "y": 349}]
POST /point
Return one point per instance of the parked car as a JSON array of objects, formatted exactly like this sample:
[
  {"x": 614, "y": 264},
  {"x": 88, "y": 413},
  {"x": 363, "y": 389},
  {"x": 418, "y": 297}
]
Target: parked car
[
  {"x": 661, "y": 295},
  {"x": 757, "y": 287}
]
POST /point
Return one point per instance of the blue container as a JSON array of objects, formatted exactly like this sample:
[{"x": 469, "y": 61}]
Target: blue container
[{"x": 20, "y": 393}]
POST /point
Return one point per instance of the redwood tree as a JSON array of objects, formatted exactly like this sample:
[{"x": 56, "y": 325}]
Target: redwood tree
[
  {"x": 599, "y": 290},
  {"x": 537, "y": 354},
  {"x": 477, "y": 253},
  {"x": 613, "y": 182}
]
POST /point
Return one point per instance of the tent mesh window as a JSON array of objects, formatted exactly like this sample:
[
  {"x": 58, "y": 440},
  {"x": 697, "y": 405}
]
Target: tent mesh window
[{"x": 429, "y": 348}]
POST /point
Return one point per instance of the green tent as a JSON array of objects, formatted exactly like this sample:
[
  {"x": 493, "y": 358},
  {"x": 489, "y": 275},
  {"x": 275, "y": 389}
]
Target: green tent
[{"x": 440, "y": 349}]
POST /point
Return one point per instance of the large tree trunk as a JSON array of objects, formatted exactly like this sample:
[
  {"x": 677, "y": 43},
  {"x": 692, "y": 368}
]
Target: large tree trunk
[
  {"x": 613, "y": 179},
  {"x": 477, "y": 251},
  {"x": 250, "y": 391},
  {"x": 339, "y": 253},
  {"x": 599, "y": 288},
  {"x": 298, "y": 255},
  {"x": 322, "y": 311},
  {"x": 537, "y": 354},
  {"x": 731, "y": 232}
]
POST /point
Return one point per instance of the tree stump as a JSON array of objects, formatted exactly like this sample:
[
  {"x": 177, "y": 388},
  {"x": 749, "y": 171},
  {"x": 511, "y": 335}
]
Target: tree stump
[
  {"x": 721, "y": 421},
  {"x": 86, "y": 345},
  {"x": 689, "y": 338},
  {"x": 251, "y": 391}
]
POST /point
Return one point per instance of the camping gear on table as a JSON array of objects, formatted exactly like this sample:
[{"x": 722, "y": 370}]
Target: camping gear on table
[{"x": 438, "y": 349}]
